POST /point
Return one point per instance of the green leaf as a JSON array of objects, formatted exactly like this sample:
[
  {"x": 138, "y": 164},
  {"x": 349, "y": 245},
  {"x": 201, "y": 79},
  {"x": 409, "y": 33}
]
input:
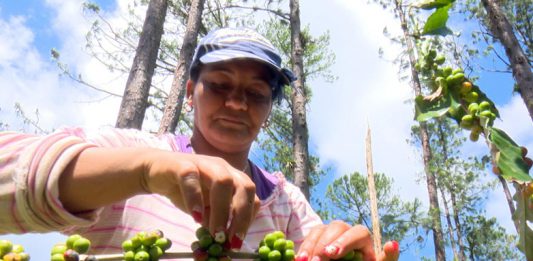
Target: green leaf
[
  {"x": 521, "y": 216},
  {"x": 510, "y": 161},
  {"x": 431, "y": 4},
  {"x": 426, "y": 110},
  {"x": 436, "y": 22}
]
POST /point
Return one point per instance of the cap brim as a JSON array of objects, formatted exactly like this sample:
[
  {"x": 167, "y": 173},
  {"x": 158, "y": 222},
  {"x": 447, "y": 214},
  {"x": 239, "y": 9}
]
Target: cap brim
[{"x": 228, "y": 54}]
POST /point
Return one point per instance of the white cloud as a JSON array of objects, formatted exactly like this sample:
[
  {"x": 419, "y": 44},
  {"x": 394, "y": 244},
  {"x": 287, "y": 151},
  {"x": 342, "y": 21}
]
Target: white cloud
[{"x": 368, "y": 91}]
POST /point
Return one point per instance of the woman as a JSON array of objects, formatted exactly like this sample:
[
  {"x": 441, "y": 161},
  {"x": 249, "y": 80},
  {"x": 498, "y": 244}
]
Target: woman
[{"x": 111, "y": 184}]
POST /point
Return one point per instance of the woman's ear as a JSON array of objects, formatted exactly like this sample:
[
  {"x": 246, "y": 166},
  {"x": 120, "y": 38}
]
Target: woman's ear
[{"x": 189, "y": 88}]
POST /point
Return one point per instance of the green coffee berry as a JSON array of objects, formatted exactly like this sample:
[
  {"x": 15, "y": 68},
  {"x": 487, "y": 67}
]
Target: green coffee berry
[
  {"x": 471, "y": 96},
  {"x": 215, "y": 250},
  {"x": 129, "y": 256},
  {"x": 274, "y": 255},
  {"x": 127, "y": 246},
  {"x": 289, "y": 255},
  {"x": 269, "y": 239},
  {"x": 484, "y": 105},
  {"x": 155, "y": 253},
  {"x": 57, "y": 257},
  {"x": 82, "y": 245},
  {"x": 263, "y": 252},
  {"x": 59, "y": 249},
  {"x": 289, "y": 244},
  {"x": 280, "y": 244},
  {"x": 164, "y": 243},
  {"x": 440, "y": 59},
  {"x": 142, "y": 256},
  {"x": 473, "y": 108},
  {"x": 71, "y": 239},
  {"x": 205, "y": 241}
]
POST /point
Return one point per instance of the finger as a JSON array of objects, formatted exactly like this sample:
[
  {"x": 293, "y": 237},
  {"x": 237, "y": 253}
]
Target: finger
[
  {"x": 391, "y": 251},
  {"x": 357, "y": 237},
  {"x": 192, "y": 195},
  {"x": 244, "y": 204},
  {"x": 329, "y": 244},
  {"x": 307, "y": 247},
  {"x": 221, "y": 195}
]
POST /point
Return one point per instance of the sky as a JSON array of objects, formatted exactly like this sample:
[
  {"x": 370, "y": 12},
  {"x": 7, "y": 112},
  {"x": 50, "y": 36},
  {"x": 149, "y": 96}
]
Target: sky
[{"x": 368, "y": 91}]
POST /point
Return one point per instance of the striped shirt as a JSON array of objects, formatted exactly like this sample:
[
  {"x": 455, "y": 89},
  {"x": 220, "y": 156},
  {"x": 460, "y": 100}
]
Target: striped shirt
[{"x": 30, "y": 167}]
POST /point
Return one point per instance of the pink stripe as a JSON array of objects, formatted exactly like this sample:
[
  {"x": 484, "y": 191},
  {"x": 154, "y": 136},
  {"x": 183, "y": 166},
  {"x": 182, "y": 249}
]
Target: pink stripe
[
  {"x": 14, "y": 212},
  {"x": 264, "y": 231},
  {"x": 106, "y": 247},
  {"x": 165, "y": 203},
  {"x": 113, "y": 228},
  {"x": 15, "y": 138},
  {"x": 37, "y": 157},
  {"x": 272, "y": 216},
  {"x": 152, "y": 215}
]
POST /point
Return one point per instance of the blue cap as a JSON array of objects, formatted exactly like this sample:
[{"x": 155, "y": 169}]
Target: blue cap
[{"x": 233, "y": 43}]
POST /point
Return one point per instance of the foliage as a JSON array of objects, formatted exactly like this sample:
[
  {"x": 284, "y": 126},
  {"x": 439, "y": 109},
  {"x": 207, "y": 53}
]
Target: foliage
[
  {"x": 277, "y": 141},
  {"x": 519, "y": 14},
  {"x": 456, "y": 97},
  {"x": 347, "y": 199},
  {"x": 461, "y": 182},
  {"x": 486, "y": 240}
]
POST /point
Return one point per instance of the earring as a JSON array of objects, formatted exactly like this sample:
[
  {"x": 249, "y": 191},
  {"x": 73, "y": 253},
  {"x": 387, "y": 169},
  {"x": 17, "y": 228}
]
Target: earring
[
  {"x": 266, "y": 124},
  {"x": 187, "y": 107}
]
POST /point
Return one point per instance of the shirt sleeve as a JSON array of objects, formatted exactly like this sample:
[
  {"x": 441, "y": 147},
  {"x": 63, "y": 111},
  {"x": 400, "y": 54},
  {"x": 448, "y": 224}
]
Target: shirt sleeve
[{"x": 30, "y": 167}]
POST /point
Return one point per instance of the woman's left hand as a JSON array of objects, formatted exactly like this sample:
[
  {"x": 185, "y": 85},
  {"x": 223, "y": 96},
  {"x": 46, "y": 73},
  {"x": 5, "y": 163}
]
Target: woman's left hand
[{"x": 334, "y": 240}]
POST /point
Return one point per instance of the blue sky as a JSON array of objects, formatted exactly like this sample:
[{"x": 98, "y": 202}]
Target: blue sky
[{"x": 367, "y": 92}]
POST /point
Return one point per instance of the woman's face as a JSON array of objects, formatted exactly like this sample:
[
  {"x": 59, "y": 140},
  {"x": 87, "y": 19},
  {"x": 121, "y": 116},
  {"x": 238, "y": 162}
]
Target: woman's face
[{"x": 231, "y": 101}]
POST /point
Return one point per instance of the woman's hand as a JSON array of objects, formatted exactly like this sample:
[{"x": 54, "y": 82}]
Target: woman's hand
[
  {"x": 217, "y": 195},
  {"x": 336, "y": 239},
  {"x": 208, "y": 188}
]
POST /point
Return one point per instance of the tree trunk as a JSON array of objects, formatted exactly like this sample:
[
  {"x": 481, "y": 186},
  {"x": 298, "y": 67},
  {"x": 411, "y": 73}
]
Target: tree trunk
[
  {"x": 434, "y": 210},
  {"x": 458, "y": 228},
  {"x": 376, "y": 230},
  {"x": 135, "y": 99},
  {"x": 174, "y": 103},
  {"x": 450, "y": 227},
  {"x": 503, "y": 30},
  {"x": 461, "y": 254},
  {"x": 299, "y": 121}
]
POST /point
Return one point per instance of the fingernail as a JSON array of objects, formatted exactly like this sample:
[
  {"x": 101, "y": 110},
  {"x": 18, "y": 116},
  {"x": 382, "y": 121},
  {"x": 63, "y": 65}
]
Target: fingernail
[
  {"x": 315, "y": 258},
  {"x": 236, "y": 241},
  {"x": 196, "y": 214},
  {"x": 331, "y": 250},
  {"x": 302, "y": 257},
  {"x": 220, "y": 236},
  {"x": 395, "y": 245}
]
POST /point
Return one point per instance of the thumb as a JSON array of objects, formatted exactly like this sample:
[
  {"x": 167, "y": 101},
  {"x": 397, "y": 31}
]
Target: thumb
[{"x": 391, "y": 251}]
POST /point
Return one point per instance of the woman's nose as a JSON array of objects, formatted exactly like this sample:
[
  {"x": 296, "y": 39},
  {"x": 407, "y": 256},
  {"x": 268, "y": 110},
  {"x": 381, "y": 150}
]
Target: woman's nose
[{"x": 236, "y": 99}]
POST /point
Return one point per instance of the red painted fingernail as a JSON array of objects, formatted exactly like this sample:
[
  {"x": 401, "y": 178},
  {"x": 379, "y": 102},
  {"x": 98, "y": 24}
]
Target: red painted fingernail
[
  {"x": 197, "y": 216},
  {"x": 236, "y": 242},
  {"x": 331, "y": 250},
  {"x": 302, "y": 257},
  {"x": 395, "y": 245}
]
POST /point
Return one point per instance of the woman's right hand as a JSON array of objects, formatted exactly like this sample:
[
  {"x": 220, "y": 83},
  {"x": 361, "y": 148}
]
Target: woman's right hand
[{"x": 208, "y": 188}]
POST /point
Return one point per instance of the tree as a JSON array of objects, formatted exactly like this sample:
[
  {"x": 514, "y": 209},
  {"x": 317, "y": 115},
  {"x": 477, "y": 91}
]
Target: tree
[
  {"x": 347, "y": 198},
  {"x": 520, "y": 63},
  {"x": 135, "y": 99},
  {"x": 409, "y": 47},
  {"x": 299, "y": 101},
  {"x": 276, "y": 143},
  {"x": 174, "y": 102}
]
